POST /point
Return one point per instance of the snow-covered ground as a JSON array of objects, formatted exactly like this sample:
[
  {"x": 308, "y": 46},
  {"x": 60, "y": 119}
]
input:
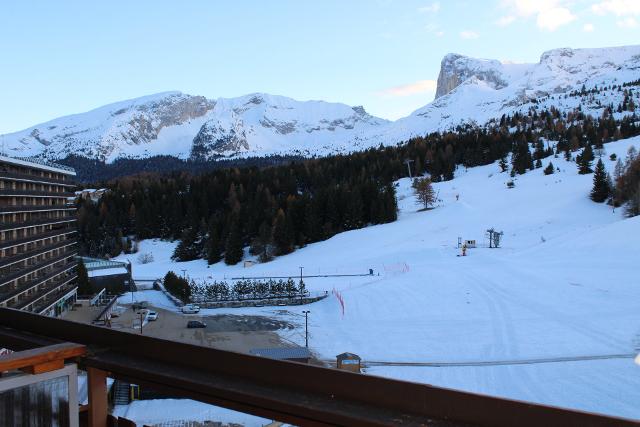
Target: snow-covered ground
[
  {"x": 564, "y": 284},
  {"x": 158, "y": 411}
]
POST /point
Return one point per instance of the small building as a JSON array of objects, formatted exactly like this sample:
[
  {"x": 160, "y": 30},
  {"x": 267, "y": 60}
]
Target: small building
[
  {"x": 294, "y": 354},
  {"x": 114, "y": 276},
  {"x": 470, "y": 243},
  {"x": 348, "y": 362},
  {"x": 248, "y": 264}
]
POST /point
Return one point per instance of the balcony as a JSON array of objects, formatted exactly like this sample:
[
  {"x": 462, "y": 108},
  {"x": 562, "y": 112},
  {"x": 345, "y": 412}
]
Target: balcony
[
  {"x": 7, "y": 278},
  {"x": 38, "y": 281},
  {"x": 44, "y": 292},
  {"x": 37, "y": 208},
  {"x": 5, "y": 261},
  {"x": 34, "y": 223},
  {"x": 53, "y": 297},
  {"x": 36, "y": 237},
  {"x": 15, "y": 176},
  {"x": 69, "y": 266},
  {"x": 36, "y": 193},
  {"x": 290, "y": 392}
]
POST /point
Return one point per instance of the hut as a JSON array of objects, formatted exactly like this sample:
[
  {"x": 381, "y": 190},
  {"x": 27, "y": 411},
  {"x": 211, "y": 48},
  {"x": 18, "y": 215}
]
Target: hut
[{"x": 348, "y": 362}]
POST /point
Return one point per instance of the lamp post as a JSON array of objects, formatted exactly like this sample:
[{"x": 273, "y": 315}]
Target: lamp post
[{"x": 306, "y": 328}]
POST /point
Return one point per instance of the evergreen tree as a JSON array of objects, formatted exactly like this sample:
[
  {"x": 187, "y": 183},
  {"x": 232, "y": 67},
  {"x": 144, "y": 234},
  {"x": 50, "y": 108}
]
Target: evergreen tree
[
  {"x": 584, "y": 160},
  {"x": 504, "y": 166},
  {"x": 84, "y": 285},
  {"x": 233, "y": 249},
  {"x": 549, "y": 169},
  {"x": 187, "y": 249},
  {"x": 213, "y": 246},
  {"x": 282, "y": 238},
  {"x": 601, "y": 189}
]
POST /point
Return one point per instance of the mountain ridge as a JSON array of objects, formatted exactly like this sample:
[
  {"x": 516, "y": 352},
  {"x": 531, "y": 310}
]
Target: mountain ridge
[{"x": 469, "y": 91}]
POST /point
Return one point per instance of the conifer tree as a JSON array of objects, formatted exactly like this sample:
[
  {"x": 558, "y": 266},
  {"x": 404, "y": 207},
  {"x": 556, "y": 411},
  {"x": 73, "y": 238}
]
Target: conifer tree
[
  {"x": 584, "y": 160},
  {"x": 233, "y": 249},
  {"x": 504, "y": 166},
  {"x": 549, "y": 169},
  {"x": 214, "y": 246},
  {"x": 187, "y": 249},
  {"x": 84, "y": 286},
  {"x": 601, "y": 188}
]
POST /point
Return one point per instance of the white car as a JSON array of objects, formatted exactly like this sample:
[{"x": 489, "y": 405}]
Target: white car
[
  {"x": 152, "y": 315},
  {"x": 190, "y": 309}
]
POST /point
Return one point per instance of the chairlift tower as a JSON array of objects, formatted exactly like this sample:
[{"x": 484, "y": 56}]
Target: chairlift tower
[{"x": 408, "y": 163}]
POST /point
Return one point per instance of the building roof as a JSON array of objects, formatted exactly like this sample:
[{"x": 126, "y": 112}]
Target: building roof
[
  {"x": 35, "y": 163},
  {"x": 348, "y": 356},
  {"x": 282, "y": 353}
]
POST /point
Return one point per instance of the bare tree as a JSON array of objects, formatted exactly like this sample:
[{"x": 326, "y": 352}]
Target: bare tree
[{"x": 424, "y": 191}]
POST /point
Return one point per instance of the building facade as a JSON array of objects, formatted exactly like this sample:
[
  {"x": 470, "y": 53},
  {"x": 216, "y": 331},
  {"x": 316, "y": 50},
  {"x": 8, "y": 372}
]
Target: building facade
[{"x": 38, "y": 236}]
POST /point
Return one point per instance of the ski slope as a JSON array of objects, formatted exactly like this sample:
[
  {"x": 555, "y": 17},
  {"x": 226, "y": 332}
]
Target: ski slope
[{"x": 552, "y": 317}]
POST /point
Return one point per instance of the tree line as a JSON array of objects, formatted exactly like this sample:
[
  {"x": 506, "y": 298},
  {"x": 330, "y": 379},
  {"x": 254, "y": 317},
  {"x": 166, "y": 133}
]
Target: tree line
[{"x": 273, "y": 210}]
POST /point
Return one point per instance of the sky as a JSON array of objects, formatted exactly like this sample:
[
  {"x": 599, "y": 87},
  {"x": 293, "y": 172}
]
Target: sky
[{"x": 60, "y": 58}]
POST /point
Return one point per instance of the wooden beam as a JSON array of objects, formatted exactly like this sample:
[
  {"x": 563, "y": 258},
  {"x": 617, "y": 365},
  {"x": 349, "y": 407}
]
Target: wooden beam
[
  {"x": 97, "y": 389},
  {"x": 41, "y": 359}
]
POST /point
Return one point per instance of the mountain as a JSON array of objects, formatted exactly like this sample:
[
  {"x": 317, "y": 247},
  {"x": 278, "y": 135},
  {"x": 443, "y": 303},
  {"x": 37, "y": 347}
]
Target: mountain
[
  {"x": 477, "y": 91},
  {"x": 195, "y": 127},
  {"x": 469, "y": 91}
]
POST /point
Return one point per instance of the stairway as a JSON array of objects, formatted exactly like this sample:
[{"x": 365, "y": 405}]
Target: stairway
[{"x": 121, "y": 393}]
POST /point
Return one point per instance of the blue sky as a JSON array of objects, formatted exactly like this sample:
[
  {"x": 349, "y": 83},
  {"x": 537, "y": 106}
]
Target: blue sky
[{"x": 59, "y": 58}]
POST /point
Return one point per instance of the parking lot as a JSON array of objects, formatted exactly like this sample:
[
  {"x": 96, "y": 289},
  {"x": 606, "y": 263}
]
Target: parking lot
[{"x": 225, "y": 332}]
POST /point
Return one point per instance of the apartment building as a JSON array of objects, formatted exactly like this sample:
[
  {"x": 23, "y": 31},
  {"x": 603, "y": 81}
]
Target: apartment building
[{"x": 38, "y": 243}]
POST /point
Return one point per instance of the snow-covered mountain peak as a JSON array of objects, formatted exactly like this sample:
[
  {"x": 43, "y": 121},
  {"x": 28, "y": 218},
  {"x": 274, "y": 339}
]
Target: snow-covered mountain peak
[{"x": 469, "y": 90}]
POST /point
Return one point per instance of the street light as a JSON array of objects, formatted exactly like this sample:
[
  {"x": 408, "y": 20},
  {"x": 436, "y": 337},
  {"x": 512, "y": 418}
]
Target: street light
[{"x": 306, "y": 328}]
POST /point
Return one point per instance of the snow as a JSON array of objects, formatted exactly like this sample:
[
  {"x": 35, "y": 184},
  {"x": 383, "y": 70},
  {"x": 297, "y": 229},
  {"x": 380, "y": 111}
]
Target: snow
[
  {"x": 564, "y": 285},
  {"x": 107, "y": 272},
  {"x": 150, "y": 412},
  {"x": 167, "y": 123}
]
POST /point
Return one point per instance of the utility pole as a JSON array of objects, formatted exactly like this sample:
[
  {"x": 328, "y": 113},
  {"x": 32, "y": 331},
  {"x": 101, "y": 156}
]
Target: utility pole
[
  {"x": 408, "y": 163},
  {"x": 141, "y": 321},
  {"x": 306, "y": 328},
  {"x": 184, "y": 273}
]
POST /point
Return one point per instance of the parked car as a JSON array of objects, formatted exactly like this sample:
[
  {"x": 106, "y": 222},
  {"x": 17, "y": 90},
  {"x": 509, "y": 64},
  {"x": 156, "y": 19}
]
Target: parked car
[
  {"x": 152, "y": 315},
  {"x": 190, "y": 309},
  {"x": 196, "y": 324}
]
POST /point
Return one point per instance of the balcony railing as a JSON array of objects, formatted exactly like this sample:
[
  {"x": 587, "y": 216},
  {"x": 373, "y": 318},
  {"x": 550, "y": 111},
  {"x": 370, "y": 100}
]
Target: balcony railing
[
  {"x": 52, "y": 298},
  {"x": 35, "y": 267},
  {"x": 38, "y": 281},
  {"x": 37, "y": 208},
  {"x": 36, "y": 193},
  {"x": 35, "y": 178},
  {"x": 25, "y": 224},
  {"x": 290, "y": 392},
  {"x": 43, "y": 292},
  {"x": 5, "y": 261},
  {"x": 36, "y": 237}
]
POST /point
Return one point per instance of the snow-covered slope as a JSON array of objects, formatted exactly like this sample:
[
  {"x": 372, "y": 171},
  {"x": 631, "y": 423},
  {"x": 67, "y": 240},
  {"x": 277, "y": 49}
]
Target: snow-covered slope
[
  {"x": 469, "y": 91},
  {"x": 193, "y": 126},
  {"x": 553, "y": 316}
]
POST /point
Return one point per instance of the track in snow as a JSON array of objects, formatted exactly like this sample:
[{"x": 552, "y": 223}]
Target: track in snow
[{"x": 503, "y": 362}]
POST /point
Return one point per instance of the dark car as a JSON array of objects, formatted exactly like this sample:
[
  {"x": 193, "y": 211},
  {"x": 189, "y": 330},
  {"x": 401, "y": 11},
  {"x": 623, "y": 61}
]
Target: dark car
[{"x": 196, "y": 324}]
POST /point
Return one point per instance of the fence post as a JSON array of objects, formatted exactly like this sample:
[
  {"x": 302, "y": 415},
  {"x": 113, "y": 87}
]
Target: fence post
[{"x": 97, "y": 389}]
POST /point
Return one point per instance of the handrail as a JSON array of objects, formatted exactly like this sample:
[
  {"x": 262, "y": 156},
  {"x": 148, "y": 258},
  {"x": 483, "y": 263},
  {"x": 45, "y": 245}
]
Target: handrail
[
  {"x": 42, "y": 359},
  {"x": 287, "y": 391}
]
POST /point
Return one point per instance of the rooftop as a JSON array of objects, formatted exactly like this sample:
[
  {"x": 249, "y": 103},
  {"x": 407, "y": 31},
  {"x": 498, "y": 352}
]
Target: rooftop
[
  {"x": 38, "y": 164},
  {"x": 282, "y": 353}
]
